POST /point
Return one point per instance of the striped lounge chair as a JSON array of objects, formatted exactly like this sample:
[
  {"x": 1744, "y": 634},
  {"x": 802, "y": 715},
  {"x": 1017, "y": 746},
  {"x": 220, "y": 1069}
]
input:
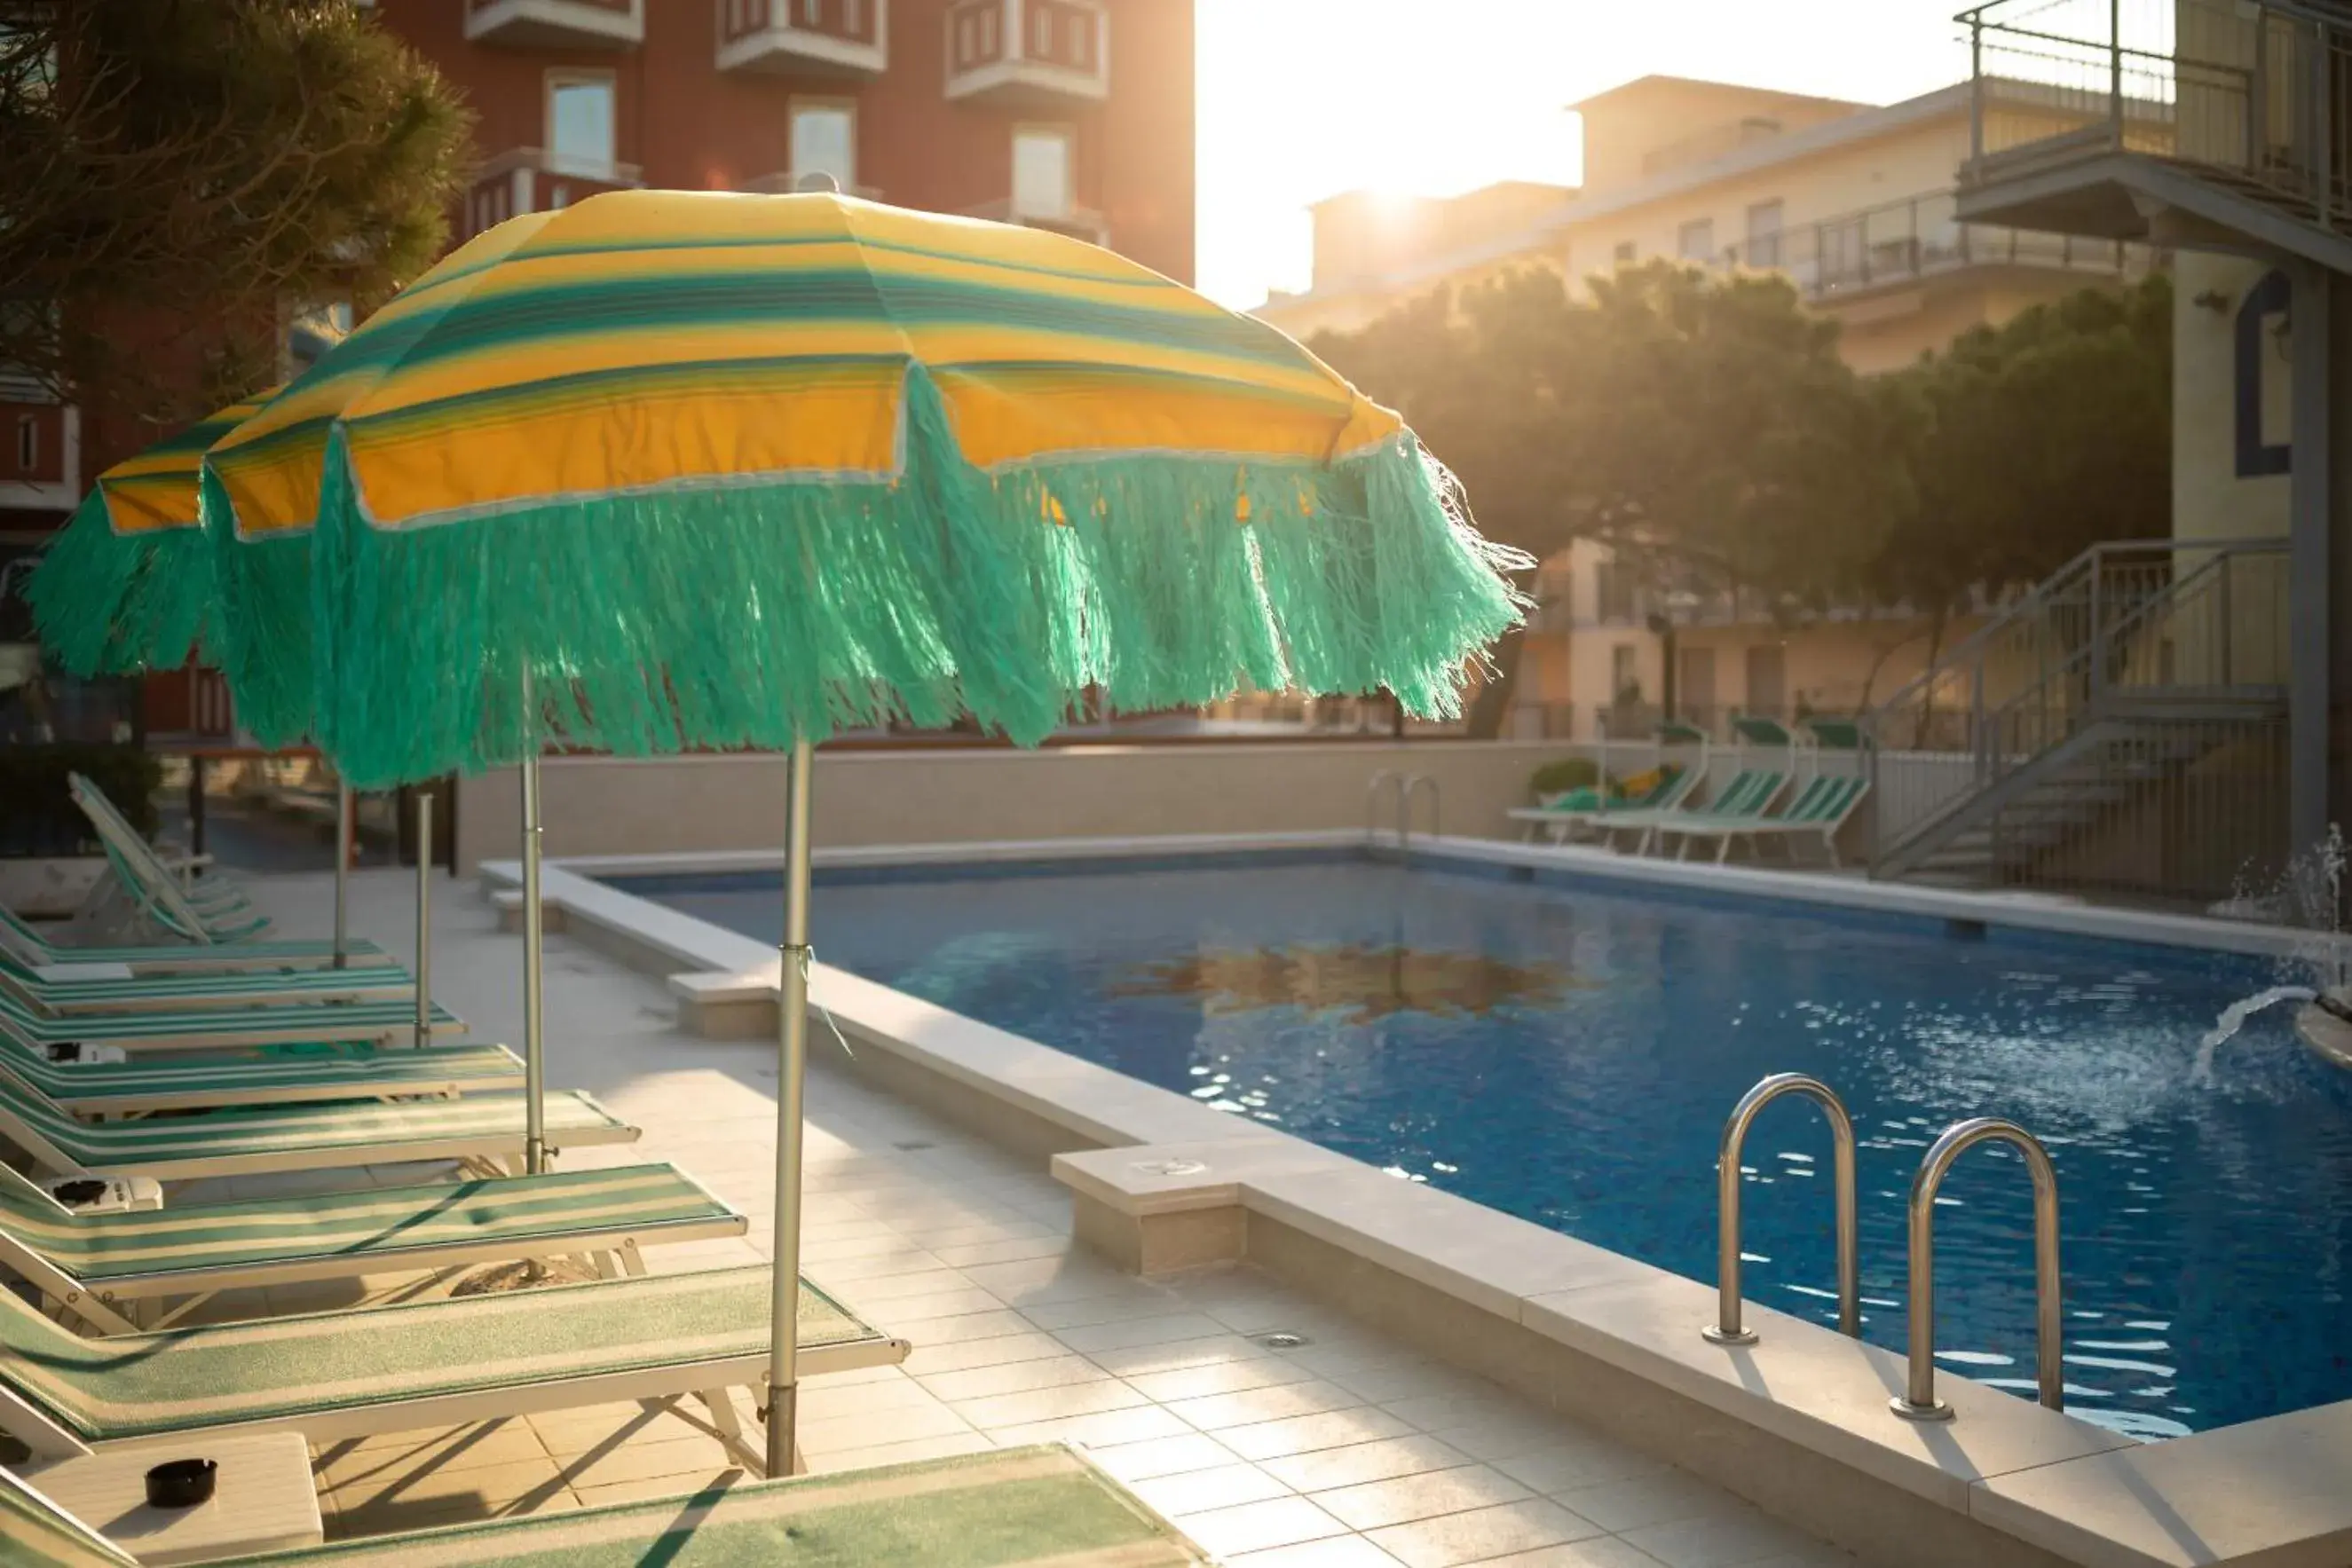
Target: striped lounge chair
[
  {"x": 1749, "y": 794},
  {"x": 97, "y": 1089},
  {"x": 64, "y": 991},
  {"x": 1561, "y": 824},
  {"x": 1820, "y": 811},
  {"x": 478, "y": 1132},
  {"x": 333, "y": 1375},
  {"x": 158, "y": 897},
  {"x": 116, "y": 1271},
  {"x": 223, "y": 1028},
  {"x": 23, "y": 943},
  {"x": 1003, "y": 1509}
]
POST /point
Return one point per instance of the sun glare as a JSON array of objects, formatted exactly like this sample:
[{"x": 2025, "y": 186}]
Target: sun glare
[{"x": 1300, "y": 100}]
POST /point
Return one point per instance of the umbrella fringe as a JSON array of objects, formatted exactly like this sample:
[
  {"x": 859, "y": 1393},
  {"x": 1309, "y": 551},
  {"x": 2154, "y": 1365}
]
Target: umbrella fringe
[
  {"x": 108, "y": 603},
  {"x": 658, "y": 623}
]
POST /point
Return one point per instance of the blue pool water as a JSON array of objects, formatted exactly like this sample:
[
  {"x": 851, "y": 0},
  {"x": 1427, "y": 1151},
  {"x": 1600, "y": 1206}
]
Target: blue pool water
[{"x": 1568, "y": 1053}]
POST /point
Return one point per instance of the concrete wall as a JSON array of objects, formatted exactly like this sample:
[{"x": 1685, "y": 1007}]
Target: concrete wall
[{"x": 685, "y": 805}]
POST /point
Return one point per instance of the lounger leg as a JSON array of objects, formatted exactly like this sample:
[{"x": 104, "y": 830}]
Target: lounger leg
[
  {"x": 1829, "y": 842},
  {"x": 1723, "y": 849},
  {"x": 632, "y": 1261}
]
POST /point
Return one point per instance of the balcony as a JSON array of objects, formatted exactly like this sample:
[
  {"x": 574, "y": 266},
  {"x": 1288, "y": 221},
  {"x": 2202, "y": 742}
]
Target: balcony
[
  {"x": 532, "y": 180},
  {"x": 847, "y": 39},
  {"x": 556, "y": 24},
  {"x": 1029, "y": 54},
  {"x": 789, "y": 182},
  {"x": 2195, "y": 124},
  {"x": 1078, "y": 223},
  {"x": 1919, "y": 240}
]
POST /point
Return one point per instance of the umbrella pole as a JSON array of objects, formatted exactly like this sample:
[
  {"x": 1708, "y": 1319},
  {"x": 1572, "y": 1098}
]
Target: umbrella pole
[
  {"x": 791, "y": 1008},
  {"x": 343, "y": 872},
  {"x": 423, "y": 915},
  {"x": 533, "y": 1071}
]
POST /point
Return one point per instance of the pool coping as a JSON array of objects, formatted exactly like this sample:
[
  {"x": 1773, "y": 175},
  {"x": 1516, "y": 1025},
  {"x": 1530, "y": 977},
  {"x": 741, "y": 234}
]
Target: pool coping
[{"x": 1143, "y": 1160}]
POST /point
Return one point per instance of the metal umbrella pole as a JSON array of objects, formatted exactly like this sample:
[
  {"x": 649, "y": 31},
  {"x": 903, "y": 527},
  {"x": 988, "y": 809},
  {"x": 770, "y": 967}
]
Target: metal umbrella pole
[
  {"x": 423, "y": 916},
  {"x": 792, "y": 1007},
  {"x": 342, "y": 874},
  {"x": 533, "y": 1065}
]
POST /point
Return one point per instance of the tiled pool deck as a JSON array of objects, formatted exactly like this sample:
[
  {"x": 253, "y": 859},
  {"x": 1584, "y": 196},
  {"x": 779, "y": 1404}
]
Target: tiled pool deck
[{"x": 1351, "y": 1452}]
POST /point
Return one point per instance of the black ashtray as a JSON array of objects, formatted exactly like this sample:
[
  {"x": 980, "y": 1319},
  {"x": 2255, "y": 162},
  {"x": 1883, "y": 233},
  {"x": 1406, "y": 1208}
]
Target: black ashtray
[
  {"x": 64, "y": 1051},
  {"x": 74, "y": 1194},
  {"x": 182, "y": 1483}
]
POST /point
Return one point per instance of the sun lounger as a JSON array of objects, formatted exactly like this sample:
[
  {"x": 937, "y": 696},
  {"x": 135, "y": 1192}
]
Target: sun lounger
[
  {"x": 1001, "y": 1509},
  {"x": 223, "y": 1028},
  {"x": 1819, "y": 810},
  {"x": 104, "y": 988},
  {"x": 333, "y": 1375},
  {"x": 1562, "y": 823},
  {"x": 158, "y": 896},
  {"x": 23, "y": 943},
  {"x": 476, "y": 1131},
  {"x": 169, "y": 1082},
  {"x": 1751, "y": 792},
  {"x": 105, "y": 1268}
]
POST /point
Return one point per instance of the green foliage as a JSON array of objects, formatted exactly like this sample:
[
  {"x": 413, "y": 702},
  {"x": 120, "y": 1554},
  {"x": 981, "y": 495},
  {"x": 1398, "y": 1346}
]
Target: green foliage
[
  {"x": 39, "y": 813},
  {"x": 1705, "y": 427},
  {"x": 181, "y": 173},
  {"x": 2033, "y": 441},
  {"x": 1568, "y": 773}
]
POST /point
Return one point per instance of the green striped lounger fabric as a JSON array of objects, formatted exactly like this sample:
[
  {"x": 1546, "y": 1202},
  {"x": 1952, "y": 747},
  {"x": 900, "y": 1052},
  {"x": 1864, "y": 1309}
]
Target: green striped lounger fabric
[
  {"x": 333, "y": 1374},
  {"x": 24, "y": 942},
  {"x": 165, "y": 1082},
  {"x": 126, "y": 1255},
  {"x": 63, "y": 990},
  {"x": 1013, "y": 1508},
  {"x": 296, "y": 1137},
  {"x": 223, "y": 1028}
]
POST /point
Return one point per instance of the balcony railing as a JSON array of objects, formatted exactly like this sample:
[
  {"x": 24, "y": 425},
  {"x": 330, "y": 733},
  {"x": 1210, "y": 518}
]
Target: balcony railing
[
  {"x": 1920, "y": 238},
  {"x": 791, "y": 182},
  {"x": 1028, "y": 53},
  {"x": 532, "y": 180},
  {"x": 834, "y": 38},
  {"x": 557, "y": 24},
  {"x": 2253, "y": 91}
]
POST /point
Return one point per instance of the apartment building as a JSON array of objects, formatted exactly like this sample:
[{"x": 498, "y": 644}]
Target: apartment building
[
  {"x": 1074, "y": 115},
  {"x": 1855, "y": 206}
]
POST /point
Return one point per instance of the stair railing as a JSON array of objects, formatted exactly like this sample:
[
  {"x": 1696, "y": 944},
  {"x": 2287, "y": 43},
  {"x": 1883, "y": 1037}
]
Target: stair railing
[{"x": 2133, "y": 622}]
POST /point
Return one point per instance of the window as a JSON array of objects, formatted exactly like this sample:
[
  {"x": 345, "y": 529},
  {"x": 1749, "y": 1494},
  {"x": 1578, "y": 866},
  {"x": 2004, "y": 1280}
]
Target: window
[
  {"x": 29, "y": 443},
  {"x": 1625, "y": 252},
  {"x": 988, "y": 34},
  {"x": 1041, "y": 172},
  {"x": 1625, "y": 673},
  {"x": 812, "y": 11},
  {"x": 1040, "y": 32},
  {"x": 824, "y": 140},
  {"x": 1082, "y": 40},
  {"x": 1694, "y": 241},
  {"x": 1764, "y": 234},
  {"x": 1612, "y": 592},
  {"x": 967, "y": 39},
  {"x": 579, "y": 122}
]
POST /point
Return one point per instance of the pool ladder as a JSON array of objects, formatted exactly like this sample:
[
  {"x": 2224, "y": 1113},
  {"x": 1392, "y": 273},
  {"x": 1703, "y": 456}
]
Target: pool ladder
[
  {"x": 1918, "y": 1402},
  {"x": 1407, "y": 785}
]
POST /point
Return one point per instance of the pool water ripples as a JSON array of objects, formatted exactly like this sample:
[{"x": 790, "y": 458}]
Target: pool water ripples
[{"x": 2207, "y": 1227}]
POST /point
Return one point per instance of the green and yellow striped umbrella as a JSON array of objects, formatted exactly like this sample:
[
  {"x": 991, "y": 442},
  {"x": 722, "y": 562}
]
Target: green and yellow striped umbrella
[
  {"x": 126, "y": 583},
  {"x": 715, "y": 470}
]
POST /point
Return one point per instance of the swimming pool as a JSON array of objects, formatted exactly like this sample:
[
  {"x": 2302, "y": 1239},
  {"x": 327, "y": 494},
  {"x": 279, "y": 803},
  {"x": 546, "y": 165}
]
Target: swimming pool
[{"x": 1568, "y": 1053}]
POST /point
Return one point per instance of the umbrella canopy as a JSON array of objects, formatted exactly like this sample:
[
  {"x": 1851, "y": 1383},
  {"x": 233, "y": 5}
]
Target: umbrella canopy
[
  {"x": 668, "y": 469},
  {"x": 717, "y": 470},
  {"x": 126, "y": 583}
]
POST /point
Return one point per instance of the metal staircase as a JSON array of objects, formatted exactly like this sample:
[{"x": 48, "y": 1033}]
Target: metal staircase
[{"x": 2121, "y": 727}]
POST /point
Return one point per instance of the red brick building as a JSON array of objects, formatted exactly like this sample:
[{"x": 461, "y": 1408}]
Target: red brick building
[{"x": 1074, "y": 115}]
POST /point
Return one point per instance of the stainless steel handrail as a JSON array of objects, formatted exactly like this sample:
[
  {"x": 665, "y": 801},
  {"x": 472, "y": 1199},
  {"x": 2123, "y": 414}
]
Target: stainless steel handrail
[
  {"x": 1404, "y": 811},
  {"x": 1918, "y": 1401},
  {"x": 1728, "y": 1328},
  {"x": 1380, "y": 781}
]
